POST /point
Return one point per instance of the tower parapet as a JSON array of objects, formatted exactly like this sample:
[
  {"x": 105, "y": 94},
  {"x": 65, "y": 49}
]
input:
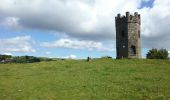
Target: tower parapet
[{"x": 129, "y": 18}]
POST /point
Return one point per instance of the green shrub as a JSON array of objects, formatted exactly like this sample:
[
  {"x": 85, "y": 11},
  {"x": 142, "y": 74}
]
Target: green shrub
[
  {"x": 157, "y": 54},
  {"x": 4, "y": 57},
  {"x": 25, "y": 59}
]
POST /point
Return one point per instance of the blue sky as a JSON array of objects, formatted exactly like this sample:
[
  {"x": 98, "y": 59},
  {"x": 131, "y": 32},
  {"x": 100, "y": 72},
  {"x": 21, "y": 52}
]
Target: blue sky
[
  {"x": 45, "y": 36},
  {"x": 61, "y": 29},
  {"x": 147, "y": 3}
]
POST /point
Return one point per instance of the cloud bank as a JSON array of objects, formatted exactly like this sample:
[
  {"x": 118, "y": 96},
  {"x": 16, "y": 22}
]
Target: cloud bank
[
  {"x": 16, "y": 44},
  {"x": 88, "y": 20},
  {"x": 77, "y": 44}
]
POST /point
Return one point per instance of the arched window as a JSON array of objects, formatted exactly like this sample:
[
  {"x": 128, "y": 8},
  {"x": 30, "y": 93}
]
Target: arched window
[
  {"x": 133, "y": 50},
  {"x": 123, "y": 34}
]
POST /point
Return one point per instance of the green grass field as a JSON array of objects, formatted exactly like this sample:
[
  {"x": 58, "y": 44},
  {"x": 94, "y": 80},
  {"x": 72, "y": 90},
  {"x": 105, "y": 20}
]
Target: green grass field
[{"x": 100, "y": 79}]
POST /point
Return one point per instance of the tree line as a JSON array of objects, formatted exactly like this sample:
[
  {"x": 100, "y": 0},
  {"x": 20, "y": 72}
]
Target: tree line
[
  {"x": 22, "y": 59},
  {"x": 151, "y": 54}
]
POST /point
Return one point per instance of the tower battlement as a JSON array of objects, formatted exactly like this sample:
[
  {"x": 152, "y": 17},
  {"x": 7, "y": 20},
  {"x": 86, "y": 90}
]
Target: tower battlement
[{"x": 129, "y": 18}]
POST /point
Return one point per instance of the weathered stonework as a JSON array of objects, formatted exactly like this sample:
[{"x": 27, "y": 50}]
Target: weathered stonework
[{"x": 128, "y": 42}]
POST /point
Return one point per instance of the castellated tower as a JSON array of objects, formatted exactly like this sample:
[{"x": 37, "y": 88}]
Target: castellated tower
[{"x": 128, "y": 42}]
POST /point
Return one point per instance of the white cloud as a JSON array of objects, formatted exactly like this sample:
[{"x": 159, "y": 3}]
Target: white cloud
[
  {"x": 71, "y": 56},
  {"x": 89, "y": 19},
  {"x": 48, "y": 53},
  {"x": 77, "y": 44},
  {"x": 7, "y": 53},
  {"x": 155, "y": 22},
  {"x": 11, "y": 22},
  {"x": 16, "y": 44}
]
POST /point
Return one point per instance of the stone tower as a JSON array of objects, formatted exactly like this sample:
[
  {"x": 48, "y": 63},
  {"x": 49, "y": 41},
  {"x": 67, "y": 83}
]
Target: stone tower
[{"x": 128, "y": 42}]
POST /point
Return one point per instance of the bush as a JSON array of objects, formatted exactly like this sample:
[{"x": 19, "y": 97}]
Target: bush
[
  {"x": 45, "y": 59},
  {"x": 26, "y": 59},
  {"x": 4, "y": 57},
  {"x": 106, "y": 57},
  {"x": 157, "y": 54}
]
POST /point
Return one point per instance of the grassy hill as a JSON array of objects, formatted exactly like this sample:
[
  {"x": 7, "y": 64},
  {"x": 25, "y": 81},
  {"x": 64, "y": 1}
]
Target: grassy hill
[{"x": 100, "y": 79}]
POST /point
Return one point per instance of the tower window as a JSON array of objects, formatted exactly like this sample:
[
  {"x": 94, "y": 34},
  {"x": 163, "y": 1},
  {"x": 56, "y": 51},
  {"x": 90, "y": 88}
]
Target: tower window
[
  {"x": 133, "y": 50},
  {"x": 123, "y": 34},
  {"x": 139, "y": 34}
]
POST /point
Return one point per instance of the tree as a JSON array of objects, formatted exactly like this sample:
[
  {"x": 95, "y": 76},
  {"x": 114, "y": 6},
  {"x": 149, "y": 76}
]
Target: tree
[
  {"x": 26, "y": 59},
  {"x": 4, "y": 57},
  {"x": 157, "y": 54},
  {"x": 163, "y": 54}
]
